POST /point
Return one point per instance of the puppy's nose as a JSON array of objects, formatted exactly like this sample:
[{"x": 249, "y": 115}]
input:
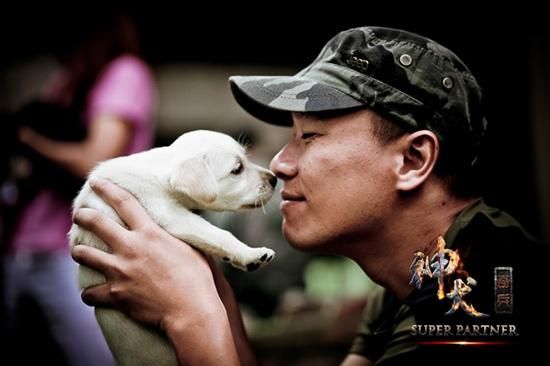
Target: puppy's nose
[{"x": 273, "y": 180}]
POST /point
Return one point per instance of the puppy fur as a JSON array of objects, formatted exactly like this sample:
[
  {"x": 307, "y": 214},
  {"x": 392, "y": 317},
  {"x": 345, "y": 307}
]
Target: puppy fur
[{"x": 201, "y": 170}]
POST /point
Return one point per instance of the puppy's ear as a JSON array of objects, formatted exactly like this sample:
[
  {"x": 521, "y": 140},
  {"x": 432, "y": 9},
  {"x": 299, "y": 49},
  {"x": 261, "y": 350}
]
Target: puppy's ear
[{"x": 194, "y": 178}]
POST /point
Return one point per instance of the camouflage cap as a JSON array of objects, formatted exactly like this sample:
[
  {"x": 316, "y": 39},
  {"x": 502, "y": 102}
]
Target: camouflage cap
[{"x": 407, "y": 78}]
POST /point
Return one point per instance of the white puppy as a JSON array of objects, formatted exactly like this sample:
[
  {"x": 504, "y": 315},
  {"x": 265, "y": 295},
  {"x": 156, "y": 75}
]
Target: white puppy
[{"x": 201, "y": 170}]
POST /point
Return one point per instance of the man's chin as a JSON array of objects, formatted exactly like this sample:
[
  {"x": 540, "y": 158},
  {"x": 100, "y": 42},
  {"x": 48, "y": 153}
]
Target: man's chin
[{"x": 302, "y": 241}]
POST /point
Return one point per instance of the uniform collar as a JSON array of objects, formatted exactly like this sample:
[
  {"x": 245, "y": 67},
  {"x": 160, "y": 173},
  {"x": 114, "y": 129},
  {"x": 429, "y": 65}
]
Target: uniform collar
[{"x": 479, "y": 208}]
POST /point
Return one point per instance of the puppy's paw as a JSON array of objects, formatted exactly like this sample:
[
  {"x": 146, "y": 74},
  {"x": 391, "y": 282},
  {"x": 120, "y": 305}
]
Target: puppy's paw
[{"x": 252, "y": 259}]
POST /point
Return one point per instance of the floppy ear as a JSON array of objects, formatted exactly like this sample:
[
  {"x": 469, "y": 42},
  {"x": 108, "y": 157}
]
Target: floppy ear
[{"x": 195, "y": 179}]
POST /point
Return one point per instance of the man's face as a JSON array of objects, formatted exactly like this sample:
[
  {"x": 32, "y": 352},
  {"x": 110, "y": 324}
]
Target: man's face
[{"x": 338, "y": 181}]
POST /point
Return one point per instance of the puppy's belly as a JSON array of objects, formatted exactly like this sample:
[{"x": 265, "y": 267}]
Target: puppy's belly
[
  {"x": 87, "y": 277},
  {"x": 133, "y": 344}
]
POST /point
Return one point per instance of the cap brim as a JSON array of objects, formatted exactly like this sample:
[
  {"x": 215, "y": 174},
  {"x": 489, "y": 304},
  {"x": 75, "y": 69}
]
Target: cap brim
[{"x": 272, "y": 98}]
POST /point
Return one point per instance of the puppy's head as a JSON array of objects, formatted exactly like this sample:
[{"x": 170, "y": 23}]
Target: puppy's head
[{"x": 212, "y": 170}]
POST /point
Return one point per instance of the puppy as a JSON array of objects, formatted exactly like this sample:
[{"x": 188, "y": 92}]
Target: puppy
[{"x": 201, "y": 170}]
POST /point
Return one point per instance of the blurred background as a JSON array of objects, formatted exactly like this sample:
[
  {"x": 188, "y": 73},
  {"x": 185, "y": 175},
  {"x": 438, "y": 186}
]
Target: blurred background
[{"x": 300, "y": 310}]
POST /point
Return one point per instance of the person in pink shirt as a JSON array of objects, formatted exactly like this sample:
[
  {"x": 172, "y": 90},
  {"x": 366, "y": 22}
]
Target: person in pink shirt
[{"x": 114, "y": 92}]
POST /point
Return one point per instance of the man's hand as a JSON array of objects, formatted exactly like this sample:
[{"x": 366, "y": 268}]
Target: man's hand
[
  {"x": 150, "y": 274},
  {"x": 155, "y": 278}
]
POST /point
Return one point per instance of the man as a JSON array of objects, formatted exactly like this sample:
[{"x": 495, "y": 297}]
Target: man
[{"x": 386, "y": 130}]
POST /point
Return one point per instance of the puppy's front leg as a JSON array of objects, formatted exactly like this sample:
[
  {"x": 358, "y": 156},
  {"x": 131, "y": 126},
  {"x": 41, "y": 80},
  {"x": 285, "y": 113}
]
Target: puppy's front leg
[{"x": 212, "y": 240}]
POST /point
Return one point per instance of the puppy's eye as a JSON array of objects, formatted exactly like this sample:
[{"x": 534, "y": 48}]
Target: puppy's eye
[{"x": 238, "y": 169}]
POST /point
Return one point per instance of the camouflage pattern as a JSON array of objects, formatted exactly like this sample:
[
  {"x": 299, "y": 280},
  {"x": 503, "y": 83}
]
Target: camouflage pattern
[{"x": 408, "y": 78}]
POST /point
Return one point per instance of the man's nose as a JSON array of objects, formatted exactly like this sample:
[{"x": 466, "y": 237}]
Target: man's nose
[{"x": 284, "y": 163}]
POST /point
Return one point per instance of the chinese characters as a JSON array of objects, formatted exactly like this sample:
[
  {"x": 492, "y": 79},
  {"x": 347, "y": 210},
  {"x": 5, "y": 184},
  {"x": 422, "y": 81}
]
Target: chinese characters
[{"x": 444, "y": 263}]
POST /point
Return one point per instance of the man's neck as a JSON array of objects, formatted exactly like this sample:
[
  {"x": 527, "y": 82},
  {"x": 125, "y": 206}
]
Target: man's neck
[{"x": 415, "y": 226}]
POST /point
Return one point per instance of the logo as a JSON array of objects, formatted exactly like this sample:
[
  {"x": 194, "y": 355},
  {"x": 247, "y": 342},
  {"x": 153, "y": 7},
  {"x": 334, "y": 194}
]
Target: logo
[
  {"x": 358, "y": 62},
  {"x": 444, "y": 263},
  {"x": 454, "y": 285},
  {"x": 504, "y": 300}
]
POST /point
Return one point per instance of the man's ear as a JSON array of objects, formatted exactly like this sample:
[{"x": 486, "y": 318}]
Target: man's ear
[
  {"x": 194, "y": 178},
  {"x": 419, "y": 153}
]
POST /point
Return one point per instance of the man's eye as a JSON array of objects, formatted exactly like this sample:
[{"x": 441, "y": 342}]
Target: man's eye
[
  {"x": 308, "y": 135},
  {"x": 238, "y": 169}
]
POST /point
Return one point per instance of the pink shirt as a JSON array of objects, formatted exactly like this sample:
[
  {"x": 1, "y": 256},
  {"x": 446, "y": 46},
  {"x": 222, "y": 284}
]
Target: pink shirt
[{"x": 126, "y": 89}]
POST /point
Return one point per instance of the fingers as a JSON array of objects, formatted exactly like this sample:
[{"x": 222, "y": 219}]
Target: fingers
[
  {"x": 93, "y": 258},
  {"x": 99, "y": 295},
  {"x": 127, "y": 206},
  {"x": 101, "y": 225}
]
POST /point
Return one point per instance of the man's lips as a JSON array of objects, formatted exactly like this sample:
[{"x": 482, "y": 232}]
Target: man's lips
[{"x": 289, "y": 196}]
